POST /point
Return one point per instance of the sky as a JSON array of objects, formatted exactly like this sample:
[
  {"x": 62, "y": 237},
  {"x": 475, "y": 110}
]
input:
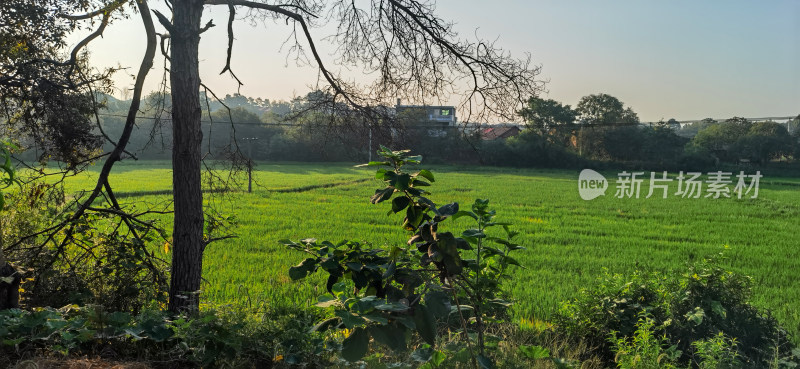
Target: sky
[{"x": 682, "y": 59}]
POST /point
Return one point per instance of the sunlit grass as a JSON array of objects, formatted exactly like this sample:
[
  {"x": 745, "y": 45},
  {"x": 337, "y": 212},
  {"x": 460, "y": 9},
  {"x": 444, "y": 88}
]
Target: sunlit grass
[{"x": 569, "y": 241}]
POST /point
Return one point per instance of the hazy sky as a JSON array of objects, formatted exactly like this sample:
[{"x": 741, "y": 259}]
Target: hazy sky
[{"x": 683, "y": 59}]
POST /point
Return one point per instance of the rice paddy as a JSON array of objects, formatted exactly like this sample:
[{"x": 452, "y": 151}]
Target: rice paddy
[{"x": 569, "y": 241}]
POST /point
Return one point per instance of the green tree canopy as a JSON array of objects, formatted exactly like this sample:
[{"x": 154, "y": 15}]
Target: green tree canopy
[
  {"x": 737, "y": 138},
  {"x": 540, "y": 114},
  {"x": 44, "y": 96},
  {"x": 604, "y": 109},
  {"x": 691, "y": 130}
]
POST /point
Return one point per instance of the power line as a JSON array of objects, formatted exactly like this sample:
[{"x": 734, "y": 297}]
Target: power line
[
  {"x": 206, "y": 121},
  {"x": 467, "y": 125},
  {"x": 279, "y": 124}
]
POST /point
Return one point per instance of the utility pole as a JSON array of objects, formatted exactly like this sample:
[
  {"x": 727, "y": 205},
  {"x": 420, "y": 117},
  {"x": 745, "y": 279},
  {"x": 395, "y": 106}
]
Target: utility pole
[
  {"x": 251, "y": 140},
  {"x": 369, "y": 147}
]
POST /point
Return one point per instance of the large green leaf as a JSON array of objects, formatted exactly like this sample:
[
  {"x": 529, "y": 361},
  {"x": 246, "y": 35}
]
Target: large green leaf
[
  {"x": 303, "y": 269},
  {"x": 462, "y": 244},
  {"x": 413, "y": 217},
  {"x": 390, "y": 270},
  {"x": 422, "y": 354},
  {"x": 399, "y": 203},
  {"x": 376, "y": 317},
  {"x": 407, "y": 321},
  {"x": 382, "y": 195},
  {"x": 438, "y": 303},
  {"x": 326, "y": 301},
  {"x": 331, "y": 265},
  {"x": 485, "y": 362},
  {"x": 155, "y": 329},
  {"x": 696, "y": 316},
  {"x": 355, "y": 346},
  {"x": 325, "y": 325},
  {"x": 718, "y": 309},
  {"x": 287, "y": 242},
  {"x": 473, "y": 233},
  {"x": 392, "y": 306},
  {"x": 448, "y": 210},
  {"x": 393, "y": 336},
  {"x": 402, "y": 182},
  {"x": 436, "y": 360},
  {"x": 448, "y": 247},
  {"x": 463, "y": 213},
  {"x": 360, "y": 279},
  {"x": 424, "y": 173},
  {"x": 349, "y": 319},
  {"x": 332, "y": 279},
  {"x": 426, "y": 202},
  {"x": 512, "y": 261},
  {"x": 426, "y": 324}
]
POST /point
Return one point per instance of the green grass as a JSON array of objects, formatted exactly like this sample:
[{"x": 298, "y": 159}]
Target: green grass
[{"x": 569, "y": 241}]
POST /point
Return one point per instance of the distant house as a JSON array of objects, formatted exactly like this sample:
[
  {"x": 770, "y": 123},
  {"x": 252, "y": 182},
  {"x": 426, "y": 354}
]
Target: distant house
[
  {"x": 499, "y": 132},
  {"x": 437, "y": 119}
]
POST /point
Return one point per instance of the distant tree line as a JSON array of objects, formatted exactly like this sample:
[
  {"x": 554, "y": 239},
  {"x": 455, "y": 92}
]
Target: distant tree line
[{"x": 599, "y": 130}]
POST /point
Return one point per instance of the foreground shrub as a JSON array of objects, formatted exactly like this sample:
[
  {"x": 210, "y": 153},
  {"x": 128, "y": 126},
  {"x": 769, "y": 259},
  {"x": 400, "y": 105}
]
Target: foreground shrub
[
  {"x": 215, "y": 338},
  {"x": 706, "y": 303},
  {"x": 436, "y": 280},
  {"x": 98, "y": 259},
  {"x": 644, "y": 349}
]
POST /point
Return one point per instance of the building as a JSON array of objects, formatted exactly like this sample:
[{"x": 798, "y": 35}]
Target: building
[
  {"x": 500, "y": 132},
  {"x": 437, "y": 119}
]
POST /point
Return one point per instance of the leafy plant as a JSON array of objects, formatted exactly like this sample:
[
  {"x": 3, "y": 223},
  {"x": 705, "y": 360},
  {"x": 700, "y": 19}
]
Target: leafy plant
[
  {"x": 388, "y": 294},
  {"x": 644, "y": 349},
  {"x": 718, "y": 352},
  {"x": 691, "y": 310},
  {"x": 215, "y": 338},
  {"x": 7, "y": 172},
  {"x": 9, "y": 277}
]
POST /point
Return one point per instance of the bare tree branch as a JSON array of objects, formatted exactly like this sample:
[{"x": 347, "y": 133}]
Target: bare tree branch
[
  {"x": 106, "y": 9},
  {"x": 227, "y": 68},
  {"x": 336, "y": 84},
  {"x": 144, "y": 69},
  {"x": 102, "y": 182},
  {"x": 414, "y": 54}
]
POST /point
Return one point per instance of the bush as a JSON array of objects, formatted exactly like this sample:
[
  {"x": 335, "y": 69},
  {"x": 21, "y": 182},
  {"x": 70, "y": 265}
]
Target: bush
[
  {"x": 717, "y": 352},
  {"x": 697, "y": 160},
  {"x": 643, "y": 350},
  {"x": 436, "y": 279},
  {"x": 99, "y": 262},
  {"x": 705, "y": 302},
  {"x": 528, "y": 149},
  {"x": 230, "y": 337}
]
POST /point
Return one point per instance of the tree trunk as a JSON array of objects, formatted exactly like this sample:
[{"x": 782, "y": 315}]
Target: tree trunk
[
  {"x": 187, "y": 236},
  {"x": 9, "y": 284}
]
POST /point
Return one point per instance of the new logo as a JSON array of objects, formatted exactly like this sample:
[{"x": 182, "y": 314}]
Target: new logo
[{"x": 591, "y": 184}]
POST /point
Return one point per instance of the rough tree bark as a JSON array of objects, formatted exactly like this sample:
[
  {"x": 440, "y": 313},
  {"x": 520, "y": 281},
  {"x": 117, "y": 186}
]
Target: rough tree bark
[
  {"x": 188, "y": 243},
  {"x": 9, "y": 284}
]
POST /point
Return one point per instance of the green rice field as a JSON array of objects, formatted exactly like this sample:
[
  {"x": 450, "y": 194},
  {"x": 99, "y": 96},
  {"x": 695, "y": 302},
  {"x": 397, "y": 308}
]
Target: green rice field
[{"x": 569, "y": 241}]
